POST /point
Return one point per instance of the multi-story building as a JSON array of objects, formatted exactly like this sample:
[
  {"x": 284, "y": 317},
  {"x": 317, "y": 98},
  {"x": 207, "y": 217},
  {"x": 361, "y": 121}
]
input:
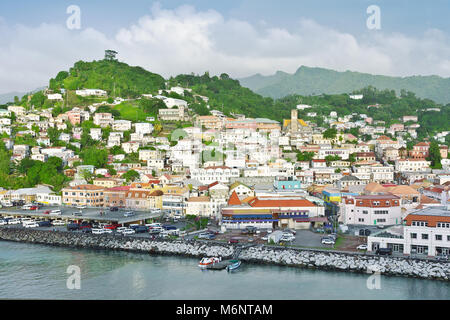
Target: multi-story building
[
  {"x": 212, "y": 174},
  {"x": 121, "y": 125},
  {"x": 420, "y": 150},
  {"x": 199, "y": 206},
  {"x": 426, "y": 233},
  {"x": 371, "y": 210},
  {"x": 103, "y": 119},
  {"x": 116, "y": 196},
  {"x": 88, "y": 195},
  {"x": 412, "y": 165}
]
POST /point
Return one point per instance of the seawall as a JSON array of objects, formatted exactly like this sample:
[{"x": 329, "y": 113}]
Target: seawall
[{"x": 346, "y": 262}]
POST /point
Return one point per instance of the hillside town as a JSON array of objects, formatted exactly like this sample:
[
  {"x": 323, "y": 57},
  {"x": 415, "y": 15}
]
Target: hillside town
[{"x": 241, "y": 172}]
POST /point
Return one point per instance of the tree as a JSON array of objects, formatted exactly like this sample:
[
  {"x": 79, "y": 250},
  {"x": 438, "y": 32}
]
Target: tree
[
  {"x": 38, "y": 99},
  {"x": 330, "y": 133},
  {"x": 435, "y": 155},
  {"x": 110, "y": 55},
  {"x": 305, "y": 156},
  {"x": 95, "y": 157},
  {"x": 130, "y": 175}
]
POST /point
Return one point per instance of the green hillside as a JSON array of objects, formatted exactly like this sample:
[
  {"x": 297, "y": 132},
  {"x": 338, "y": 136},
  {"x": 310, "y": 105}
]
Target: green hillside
[
  {"x": 228, "y": 95},
  {"x": 310, "y": 81},
  {"x": 110, "y": 75}
]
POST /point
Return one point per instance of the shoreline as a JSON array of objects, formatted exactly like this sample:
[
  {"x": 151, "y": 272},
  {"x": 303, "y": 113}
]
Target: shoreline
[{"x": 297, "y": 258}]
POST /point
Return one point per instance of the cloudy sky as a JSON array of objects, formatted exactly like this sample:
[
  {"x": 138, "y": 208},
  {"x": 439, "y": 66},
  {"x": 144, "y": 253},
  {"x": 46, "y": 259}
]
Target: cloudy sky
[{"x": 239, "y": 37}]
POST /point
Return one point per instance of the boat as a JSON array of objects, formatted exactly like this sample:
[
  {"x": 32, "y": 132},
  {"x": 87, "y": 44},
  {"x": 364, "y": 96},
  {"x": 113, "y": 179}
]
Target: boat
[
  {"x": 205, "y": 262},
  {"x": 234, "y": 264}
]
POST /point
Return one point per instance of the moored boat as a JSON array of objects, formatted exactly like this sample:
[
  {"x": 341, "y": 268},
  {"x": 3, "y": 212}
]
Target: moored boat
[
  {"x": 234, "y": 264},
  {"x": 205, "y": 262}
]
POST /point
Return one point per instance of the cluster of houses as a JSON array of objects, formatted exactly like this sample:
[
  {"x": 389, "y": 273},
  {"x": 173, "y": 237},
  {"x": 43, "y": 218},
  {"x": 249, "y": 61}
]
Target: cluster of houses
[{"x": 245, "y": 171}]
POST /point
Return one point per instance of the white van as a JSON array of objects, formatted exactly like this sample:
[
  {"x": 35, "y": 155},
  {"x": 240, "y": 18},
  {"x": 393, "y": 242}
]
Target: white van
[
  {"x": 14, "y": 221},
  {"x": 56, "y": 212},
  {"x": 31, "y": 225},
  {"x": 98, "y": 231}
]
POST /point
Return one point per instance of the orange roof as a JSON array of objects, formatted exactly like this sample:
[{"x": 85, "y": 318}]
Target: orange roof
[
  {"x": 234, "y": 200},
  {"x": 281, "y": 203}
]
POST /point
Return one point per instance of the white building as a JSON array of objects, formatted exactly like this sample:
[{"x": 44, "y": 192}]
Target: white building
[
  {"x": 91, "y": 92},
  {"x": 213, "y": 174},
  {"x": 121, "y": 125},
  {"x": 412, "y": 165},
  {"x": 425, "y": 233}
]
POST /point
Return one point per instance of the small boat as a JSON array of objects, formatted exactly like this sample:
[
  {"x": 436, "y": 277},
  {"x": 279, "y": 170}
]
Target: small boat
[
  {"x": 205, "y": 262},
  {"x": 234, "y": 264}
]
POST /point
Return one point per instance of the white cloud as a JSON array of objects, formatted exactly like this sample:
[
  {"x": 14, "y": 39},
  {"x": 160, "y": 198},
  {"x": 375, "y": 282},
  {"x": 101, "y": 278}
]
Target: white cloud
[{"x": 184, "y": 40}]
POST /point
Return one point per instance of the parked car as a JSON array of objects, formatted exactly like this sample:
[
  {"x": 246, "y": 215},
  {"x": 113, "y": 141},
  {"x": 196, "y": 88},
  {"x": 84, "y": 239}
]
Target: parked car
[
  {"x": 85, "y": 225},
  {"x": 140, "y": 229},
  {"x": 120, "y": 229},
  {"x": 14, "y": 221},
  {"x": 80, "y": 207},
  {"x": 128, "y": 232},
  {"x": 34, "y": 207},
  {"x": 98, "y": 231},
  {"x": 362, "y": 247},
  {"x": 58, "y": 223},
  {"x": 3, "y": 222},
  {"x": 26, "y": 220},
  {"x": 287, "y": 238},
  {"x": 77, "y": 213},
  {"x": 107, "y": 230},
  {"x": 128, "y": 214},
  {"x": 204, "y": 235},
  {"x": 155, "y": 230},
  {"x": 233, "y": 241},
  {"x": 56, "y": 212},
  {"x": 114, "y": 209},
  {"x": 168, "y": 227},
  {"x": 45, "y": 223},
  {"x": 73, "y": 227},
  {"x": 251, "y": 229},
  {"x": 47, "y": 212},
  {"x": 7, "y": 204},
  {"x": 87, "y": 230},
  {"x": 384, "y": 251},
  {"x": 328, "y": 241},
  {"x": 31, "y": 225},
  {"x": 112, "y": 226}
]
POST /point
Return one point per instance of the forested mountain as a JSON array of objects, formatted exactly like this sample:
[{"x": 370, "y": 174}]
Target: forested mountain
[{"x": 311, "y": 81}]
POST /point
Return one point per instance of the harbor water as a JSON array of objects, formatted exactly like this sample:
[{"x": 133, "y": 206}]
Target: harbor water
[{"x": 29, "y": 271}]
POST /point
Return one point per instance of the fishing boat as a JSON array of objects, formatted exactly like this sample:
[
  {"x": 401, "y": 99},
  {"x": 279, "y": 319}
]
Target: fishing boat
[
  {"x": 234, "y": 264},
  {"x": 205, "y": 262}
]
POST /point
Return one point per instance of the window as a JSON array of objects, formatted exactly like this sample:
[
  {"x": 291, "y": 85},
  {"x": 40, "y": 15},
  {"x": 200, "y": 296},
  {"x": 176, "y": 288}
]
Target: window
[
  {"x": 413, "y": 235},
  {"x": 424, "y": 236},
  {"x": 365, "y": 212},
  {"x": 439, "y": 237}
]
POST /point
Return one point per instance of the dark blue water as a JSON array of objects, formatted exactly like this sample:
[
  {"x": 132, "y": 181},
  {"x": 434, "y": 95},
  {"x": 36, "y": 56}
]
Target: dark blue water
[{"x": 39, "y": 272}]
